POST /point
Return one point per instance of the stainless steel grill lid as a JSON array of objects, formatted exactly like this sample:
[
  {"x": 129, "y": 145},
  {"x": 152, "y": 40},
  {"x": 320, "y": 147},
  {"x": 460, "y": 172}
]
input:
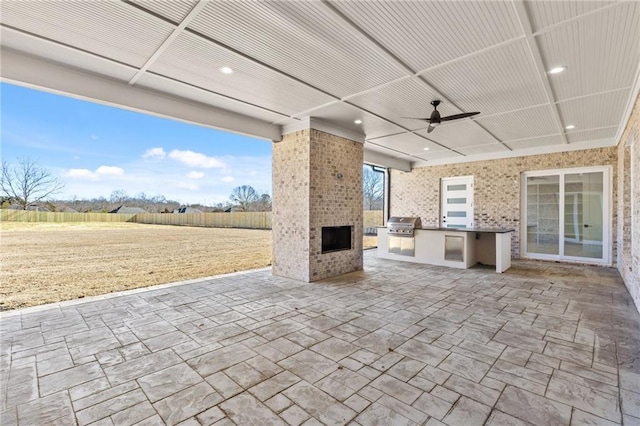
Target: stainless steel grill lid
[{"x": 403, "y": 226}]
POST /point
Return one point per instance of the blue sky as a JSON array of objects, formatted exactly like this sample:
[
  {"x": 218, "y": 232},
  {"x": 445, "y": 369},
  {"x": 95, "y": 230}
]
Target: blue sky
[{"x": 96, "y": 149}]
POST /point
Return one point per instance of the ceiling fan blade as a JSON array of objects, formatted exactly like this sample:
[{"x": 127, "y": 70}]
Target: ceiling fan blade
[
  {"x": 430, "y": 128},
  {"x": 417, "y": 118},
  {"x": 457, "y": 116}
]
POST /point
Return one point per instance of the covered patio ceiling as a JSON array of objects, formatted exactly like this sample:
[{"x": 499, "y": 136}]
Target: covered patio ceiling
[{"x": 336, "y": 62}]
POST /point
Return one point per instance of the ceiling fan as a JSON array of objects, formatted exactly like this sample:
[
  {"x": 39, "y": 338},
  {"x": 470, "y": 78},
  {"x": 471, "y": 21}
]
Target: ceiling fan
[{"x": 435, "y": 118}]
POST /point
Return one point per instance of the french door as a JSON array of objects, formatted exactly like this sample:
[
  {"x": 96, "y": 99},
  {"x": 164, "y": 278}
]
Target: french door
[{"x": 567, "y": 214}]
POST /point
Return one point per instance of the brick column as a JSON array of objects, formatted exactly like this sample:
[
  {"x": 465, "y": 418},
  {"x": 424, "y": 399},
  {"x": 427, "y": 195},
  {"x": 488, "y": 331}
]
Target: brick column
[{"x": 317, "y": 181}]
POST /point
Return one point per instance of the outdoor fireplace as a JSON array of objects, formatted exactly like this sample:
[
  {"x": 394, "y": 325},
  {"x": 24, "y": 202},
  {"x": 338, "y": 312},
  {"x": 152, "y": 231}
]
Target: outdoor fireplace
[{"x": 336, "y": 238}]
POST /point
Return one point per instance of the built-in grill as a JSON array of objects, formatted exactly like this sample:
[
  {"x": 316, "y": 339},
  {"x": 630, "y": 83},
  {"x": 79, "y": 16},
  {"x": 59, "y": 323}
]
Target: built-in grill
[
  {"x": 401, "y": 232},
  {"x": 403, "y": 226}
]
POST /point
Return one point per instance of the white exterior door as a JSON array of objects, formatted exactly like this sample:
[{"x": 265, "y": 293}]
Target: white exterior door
[
  {"x": 456, "y": 196},
  {"x": 567, "y": 214}
]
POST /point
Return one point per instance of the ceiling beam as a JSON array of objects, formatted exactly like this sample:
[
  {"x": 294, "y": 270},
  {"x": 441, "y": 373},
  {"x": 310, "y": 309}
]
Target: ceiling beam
[
  {"x": 379, "y": 159},
  {"x": 525, "y": 24},
  {"x": 30, "y": 71},
  {"x": 167, "y": 42}
]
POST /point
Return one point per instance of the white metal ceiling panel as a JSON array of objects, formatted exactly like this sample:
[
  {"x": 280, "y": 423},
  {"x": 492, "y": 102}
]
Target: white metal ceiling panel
[
  {"x": 54, "y": 52},
  {"x": 594, "y": 111},
  {"x": 426, "y": 33},
  {"x": 483, "y": 149},
  {"x": 547, "y": 13},
  {"x": 538, "y": 121},
  {"x": 184, "y": 91},
  {"x": 382, "y": 149},
  {"x": 370, "y": 146},
  {"x": 345, "y": 115},
  {"x": 498, "y": 80},
  {"x": 601, "y": 52},
  {"x": 535, "y": 142},
  {"x": 305, "y": 39},
  {"x": 592, "y": 135},
  {"x": 406, "y": 98},
  {"x": 438, "y": 155},
  {"x": 460, "y": 133},
  {"x": 196, "y": 61},
  {"x": 111, "y": 29},
  {"x": 408, "y": 143},
  {"x": 174, "y": 10},
  {"x": 409, "y": 158}
]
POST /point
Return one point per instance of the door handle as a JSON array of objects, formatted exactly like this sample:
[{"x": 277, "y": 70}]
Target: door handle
[{"x": 586, "y": 226}]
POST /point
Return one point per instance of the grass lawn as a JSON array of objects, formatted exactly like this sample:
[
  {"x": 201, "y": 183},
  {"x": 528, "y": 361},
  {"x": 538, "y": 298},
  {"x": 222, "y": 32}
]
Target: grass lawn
[{"x": 50, "y": 262}]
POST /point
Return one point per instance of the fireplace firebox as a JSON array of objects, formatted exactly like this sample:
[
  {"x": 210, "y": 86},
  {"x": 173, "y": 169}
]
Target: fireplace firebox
[{"x": 336, "y": 238}]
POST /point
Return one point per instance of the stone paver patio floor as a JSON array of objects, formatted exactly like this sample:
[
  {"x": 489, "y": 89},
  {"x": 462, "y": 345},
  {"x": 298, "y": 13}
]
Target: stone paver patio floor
[{"x": 397, "y": 344}]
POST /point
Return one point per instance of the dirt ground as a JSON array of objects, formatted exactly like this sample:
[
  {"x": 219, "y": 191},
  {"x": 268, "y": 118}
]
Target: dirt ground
[{"x": 50, "y": 262}]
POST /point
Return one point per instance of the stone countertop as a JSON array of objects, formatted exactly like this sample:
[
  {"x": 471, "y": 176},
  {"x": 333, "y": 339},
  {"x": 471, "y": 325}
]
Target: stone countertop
[{"x": 479, "y": 230}]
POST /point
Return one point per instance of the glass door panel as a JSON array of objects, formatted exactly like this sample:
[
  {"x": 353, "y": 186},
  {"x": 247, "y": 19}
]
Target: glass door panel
[
  {"x": 543, "y": 214},
  {"x": 567, "y": 214},
  {"x": 584, "y": 215}
]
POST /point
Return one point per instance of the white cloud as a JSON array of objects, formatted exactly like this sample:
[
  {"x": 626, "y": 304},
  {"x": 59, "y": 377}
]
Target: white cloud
[
  {"x": 195, "y": 175},
  {"x": 110, "y": 170},
  {"x": 81, "y": 174},
  {"x": 227, "y": 179},
  {"x": 195, "y": 159},
  {"x": 75, "y": 157},
  {"x": 100, "y": 171},
  {"x": 154, "y": 153}
]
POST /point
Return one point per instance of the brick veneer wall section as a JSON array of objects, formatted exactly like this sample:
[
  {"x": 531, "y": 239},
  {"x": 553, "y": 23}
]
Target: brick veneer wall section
[
  {"x": 628, "y": 260},
  {"x": 335, "y": 201},
  {"x": 497, "y": 188},
  {"x": 317, "y": 181},
  {"x": 290, "y": 214}
]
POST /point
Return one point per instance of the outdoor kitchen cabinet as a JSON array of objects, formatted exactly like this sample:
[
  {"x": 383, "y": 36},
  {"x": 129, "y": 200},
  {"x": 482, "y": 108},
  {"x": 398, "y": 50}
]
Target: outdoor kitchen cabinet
[{"x": 455, "y": 248}]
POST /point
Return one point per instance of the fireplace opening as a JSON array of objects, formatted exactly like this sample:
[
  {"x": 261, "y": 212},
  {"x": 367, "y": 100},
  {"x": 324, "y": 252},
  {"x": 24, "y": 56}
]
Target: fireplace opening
[{"x": 336, "y": 238}]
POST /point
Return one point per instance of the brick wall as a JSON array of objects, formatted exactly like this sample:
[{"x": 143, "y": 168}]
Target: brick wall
[
  {"x": 290, "y": 211},
  {"x": 628, "y": 244},
  {"x": 307, "y": 195},
  {"x": 335, "y": 201},
  {"x": 497, "y": 187}
]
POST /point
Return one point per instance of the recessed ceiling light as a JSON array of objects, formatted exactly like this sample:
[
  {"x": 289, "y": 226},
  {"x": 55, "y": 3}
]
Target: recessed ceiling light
[
  {"x": 358, "y": 121},
  {"x": 570, "y": 127},
  {"x": 426, "y": 149},
  {"x": 226, "y": 70},
  {"x": 557, "y": 70}
]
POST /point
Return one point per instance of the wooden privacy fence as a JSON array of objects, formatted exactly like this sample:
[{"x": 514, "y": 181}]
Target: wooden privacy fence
[
  {"x": 31, "y": 216},
  {"x": 254, "y": 220}
]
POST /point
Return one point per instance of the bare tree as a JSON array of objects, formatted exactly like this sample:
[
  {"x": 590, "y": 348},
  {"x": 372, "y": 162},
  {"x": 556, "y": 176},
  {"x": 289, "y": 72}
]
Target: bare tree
[
  {"x": 26, "y": 182},
  {"x": 264, "y": 203},
  {"x": 119, "y": 196},
  {"x": 243, "y": 196},
  {"x": 372, "y": 188}
]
